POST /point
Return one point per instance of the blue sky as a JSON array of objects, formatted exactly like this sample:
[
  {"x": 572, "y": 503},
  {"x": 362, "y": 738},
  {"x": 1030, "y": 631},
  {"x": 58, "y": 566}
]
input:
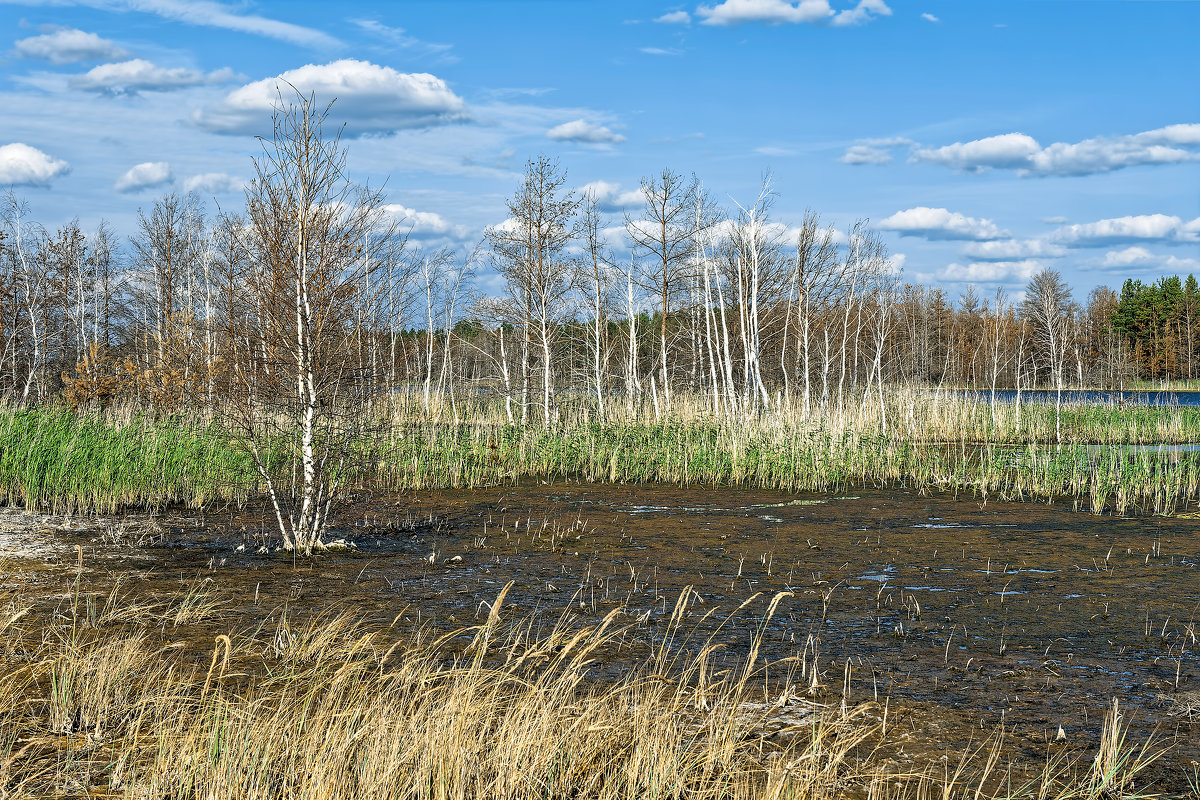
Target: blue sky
[{"x": 984, "y": 139}]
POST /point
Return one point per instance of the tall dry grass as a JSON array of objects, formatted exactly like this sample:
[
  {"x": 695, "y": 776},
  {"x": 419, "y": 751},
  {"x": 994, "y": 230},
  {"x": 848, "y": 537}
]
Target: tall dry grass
[{"x": 99, "y": 704}]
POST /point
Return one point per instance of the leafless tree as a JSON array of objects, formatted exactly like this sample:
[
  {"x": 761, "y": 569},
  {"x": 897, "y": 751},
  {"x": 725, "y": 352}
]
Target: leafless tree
[
  {"x": 596, "y": 279},
  {"x": 666, "y": 239},
  {"x": 313, "y": 239},
  {"x": 1050, "y": 311},
  {"x": 529, "y": 251}
]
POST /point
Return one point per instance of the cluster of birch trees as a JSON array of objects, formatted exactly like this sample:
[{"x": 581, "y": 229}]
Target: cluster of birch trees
[{"x": 681, "y": 297}]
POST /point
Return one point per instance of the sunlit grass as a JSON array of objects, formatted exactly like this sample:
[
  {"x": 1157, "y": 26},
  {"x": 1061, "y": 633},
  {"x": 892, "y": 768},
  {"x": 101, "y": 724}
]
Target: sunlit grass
[
  {"x": 336, "y": 707},
  {"x": 58, "y": 460}
]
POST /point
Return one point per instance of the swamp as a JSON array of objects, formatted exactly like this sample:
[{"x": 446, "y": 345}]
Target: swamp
[
  {"x": 588, "y": 490},
  {"x": 878, "y": 636}
]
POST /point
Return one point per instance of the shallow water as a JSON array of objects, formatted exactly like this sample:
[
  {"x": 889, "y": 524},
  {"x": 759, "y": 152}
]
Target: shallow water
[
  {"x": 1142, "y": 397},
  {"x": 960, "y": 615}
]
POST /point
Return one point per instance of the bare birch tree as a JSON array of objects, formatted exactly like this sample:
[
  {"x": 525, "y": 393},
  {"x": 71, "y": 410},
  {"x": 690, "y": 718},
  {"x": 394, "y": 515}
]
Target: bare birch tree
[
  {"x": 1049, "y": 309},
  {"x": 529, "y": 251},
  {"x": 298, "y": 383}
]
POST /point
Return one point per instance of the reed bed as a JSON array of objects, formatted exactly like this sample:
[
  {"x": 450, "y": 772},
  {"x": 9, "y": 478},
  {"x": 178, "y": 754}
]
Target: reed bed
[
  {"x": 62, "y": 461},
  {"x": 926, "y": 443},
  {"x": 58, "y": 460},
  {"x": 94, "y": 703}
]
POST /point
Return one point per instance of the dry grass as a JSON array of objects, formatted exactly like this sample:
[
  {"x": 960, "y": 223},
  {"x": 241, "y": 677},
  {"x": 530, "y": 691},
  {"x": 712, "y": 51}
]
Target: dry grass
[{"x": 336, "y": 708}]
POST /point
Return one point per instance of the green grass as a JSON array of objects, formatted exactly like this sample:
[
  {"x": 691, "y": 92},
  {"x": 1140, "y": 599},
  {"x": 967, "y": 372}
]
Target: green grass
[
  {"x": 62, "y": 461},
  {"x": 461, "y": 455}
]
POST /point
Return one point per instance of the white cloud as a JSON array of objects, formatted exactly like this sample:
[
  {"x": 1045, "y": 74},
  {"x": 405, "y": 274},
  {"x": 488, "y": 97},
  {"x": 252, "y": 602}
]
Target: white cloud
[
  {"x": 991, "y": 271},
  {"x": 1120, "y": 230},
  {"x": 1139, "y": 258},
  {"x": 675, "y": 18},
  {"x": 22, "y": 165},
  {"x": 1176, "y": 264},
  {"x": 929, "y": 17},
  {"x": 865, "y": 11},
  {"x": 865, "y": 154},
  {"x": 939, "y": 223},
  {"x": 1129, "y": 257},
  {"x": 1173, "y": 144},
  {"x": 874, "y": 151},
  {"x": 610, "y": 197},
  {"x": 423, "y": 223},
  {"x": 144, "y": 176},
  {"x": 774, "y": 12},
  {"x": 1056, "y": 220},
  {"x": 1009, "y": 150},
  {"x": 68, "y": 45},
  {"x": 214, "y": 183},
  {"x": 582, "y": 131},
  {"x": 1013, "y": 249},
  {"x": 209, "y": 13},
  {"x": 661, "y": 51},
  {"x": 370, "y": 99},
  {"x": 137, "y": 75},
  {"x": 400, "y": 39}
]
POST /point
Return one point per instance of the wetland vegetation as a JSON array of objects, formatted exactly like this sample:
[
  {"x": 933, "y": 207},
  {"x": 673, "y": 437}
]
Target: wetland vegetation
[{"x": 741, "y": 519}]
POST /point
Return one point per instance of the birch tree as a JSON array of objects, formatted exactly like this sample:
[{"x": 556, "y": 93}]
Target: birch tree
[
  {"x": 1049, "y": 309},
  {"x": 529, "y": 251},
  {"x": 313, "y": 239}
]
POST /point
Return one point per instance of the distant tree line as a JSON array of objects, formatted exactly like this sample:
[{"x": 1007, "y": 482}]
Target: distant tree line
[{"x": 726, "y": 305}]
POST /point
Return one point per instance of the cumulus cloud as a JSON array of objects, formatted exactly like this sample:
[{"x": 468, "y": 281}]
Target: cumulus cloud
[
  {"x": 22, "y": 165},
  {"x": 610, "y": 196},
  {"x": 144, "y": 176},
  {"x": 865, "y": 154},
  {"x": 675, "y": 18},
  {"x": 1129, "y": 257},
  {"x": 1009, "y": 150},
  {"x": 991, "y": 271},
  {"x": 773, "y": 12},
  {"x": 213, "y": 183},
  {"x": 1013, "y": 249},
  {"x": 865, "y": 11},
  {"x": 1173, "y": 144},
  {"x": 780, "y": 12},
  {"x": 929, "y": 17},
  {"x": 370, "y": 99},
  {"x": 1142, "y": 259},
  {"x": 580, "y": 130},
  {"x": 423, "y": 223},
  {"x": 941, "y": 224},
  {"x": 69, "y": 45},
  {"x": 139, "y": 75},
  {"x": 1121, "y": 230}
]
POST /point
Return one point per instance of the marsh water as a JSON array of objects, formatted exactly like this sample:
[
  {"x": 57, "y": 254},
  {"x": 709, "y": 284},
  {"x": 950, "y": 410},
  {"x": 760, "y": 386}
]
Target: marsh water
[
  {"x": 960, "y": 616},
  {"x": 1114, "y": 397}
]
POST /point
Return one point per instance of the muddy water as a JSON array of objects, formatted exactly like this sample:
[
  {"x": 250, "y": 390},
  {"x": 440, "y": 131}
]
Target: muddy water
[{"x": 961, "y": 617}]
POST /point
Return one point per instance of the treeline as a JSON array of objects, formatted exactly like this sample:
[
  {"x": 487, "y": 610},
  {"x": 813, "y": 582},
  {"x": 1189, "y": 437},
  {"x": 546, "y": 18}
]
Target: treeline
[{"x": 677, "y": 297}]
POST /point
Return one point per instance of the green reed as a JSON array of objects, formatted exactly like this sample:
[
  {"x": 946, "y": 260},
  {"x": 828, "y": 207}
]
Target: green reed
[
  {"x": 59, "y": 460},
  {"x": 64, "y": 461}
]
